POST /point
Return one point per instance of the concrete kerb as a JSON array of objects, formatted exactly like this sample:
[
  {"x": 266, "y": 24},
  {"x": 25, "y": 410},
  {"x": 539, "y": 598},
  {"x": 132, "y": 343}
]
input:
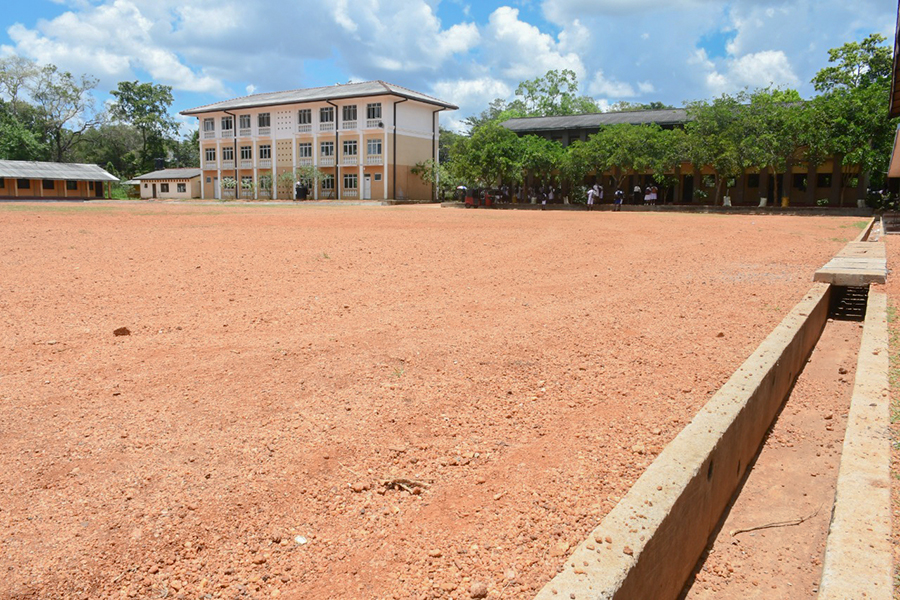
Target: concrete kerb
[
  {"x": 648, "y": 545},
  {"x": 858, "y": 556}
]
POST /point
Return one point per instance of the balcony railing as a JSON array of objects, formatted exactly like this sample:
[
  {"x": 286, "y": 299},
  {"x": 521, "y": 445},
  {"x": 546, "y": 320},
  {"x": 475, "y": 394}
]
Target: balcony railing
[
  {"x": 304, "y": 128},
  {"x": 210, "y": 164},
  {"x": 305, "y": 161},
  {"x": 265, "y": 163},
  {"x": 246, "y": 164},
  {"x": 208, "y": 135},
  {"x": 350, "y": 193},
  {"x": 227, "y": 133},
  {"x": 375, "y": 160},
  {"x": 348, "y": 125},
  {"x": 265, "y": 131},
  {"x": 326, "y": 126},
  {"x": 372, "y": 123},
  {"x": 350, "y": 160},
  {"x": 326, "y": 161},
  {"x": 244, "y": 132},
  {"x": 227, "y": 164}
]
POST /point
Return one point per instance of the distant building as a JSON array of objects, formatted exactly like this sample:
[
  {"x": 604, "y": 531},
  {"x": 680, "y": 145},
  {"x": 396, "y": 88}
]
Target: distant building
[
  {"x": 169, "y": 184},
  {"x": 30, "y": 180},
  {"x": 366, "y": 138},
  {"x": 802, "y": 183}
]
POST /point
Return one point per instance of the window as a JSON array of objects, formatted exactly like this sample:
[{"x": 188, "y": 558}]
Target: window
[
  {"x": 246, "y": 182},
  {"x": 326, "y": 115},
  {"x": 328, "y": 182},
  {"x": 264, "y": 120},
  {"x": 823, "y": 180},
  {"x": 373, "y": 147},
  {"x": 265, "y": 151},
  {"x": 146, "y": 185},
  {"x": 228, "y": 153},
  {"x": 349, "y": 113},
  {"x": 244, "y": 121},
  {"x": 799, "y": 181},
  {"x": 350, "y": 181},
  {"x": 304, "y": 150},
  {"x": 73, "y": 185},
  {"x": 753, "y": 180},
  {"x": 209, "y": 180},
  {"x": 23, "y": 184},
  {"x": 227, "y": 124},
  {"x": 181, "y": 187},
  {"x": 209, "y": 124},
  {"x": 350, "y": 148},
  {"x": 327, "y": 149},
  {"x": 2, "y": 183},
  {"x": 210, "y": 155},
  {"x": 246, "y": 152},
  {"x": 164, "y": 188},
  {"x": 373, "y": 110},
  {"x": 304, "y": 116},
  {"x": 377, "y": 176},
  {"x": 90, "y": 185},
  {"x": 48, "y": 184}
]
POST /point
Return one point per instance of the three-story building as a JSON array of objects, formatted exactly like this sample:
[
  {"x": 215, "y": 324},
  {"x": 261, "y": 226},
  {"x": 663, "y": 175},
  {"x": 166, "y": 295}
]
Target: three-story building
[{"x": 365, "y": 138}]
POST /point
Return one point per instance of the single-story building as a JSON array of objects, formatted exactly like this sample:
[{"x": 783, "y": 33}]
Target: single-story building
[
  {"x": 32, "y": 180},
  {"x": 181, "y": 183}
]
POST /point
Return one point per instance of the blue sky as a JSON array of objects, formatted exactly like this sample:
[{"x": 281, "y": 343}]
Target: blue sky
[{"x": 461, "y": 51}]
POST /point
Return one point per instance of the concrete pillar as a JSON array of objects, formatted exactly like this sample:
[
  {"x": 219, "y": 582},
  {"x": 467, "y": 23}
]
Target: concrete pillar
[
  {"x": 811, "y": 184},
  {"x": 835, "y": 198},
  {"x": 676, "y": 191},
  {"x": 763, "y": 185},
  {"x": 787, "y": 182},
  {"x": 698, "y": 183}
]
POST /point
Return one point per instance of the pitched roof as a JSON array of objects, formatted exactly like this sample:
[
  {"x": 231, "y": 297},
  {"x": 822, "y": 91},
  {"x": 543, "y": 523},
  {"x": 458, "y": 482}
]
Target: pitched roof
[
  {"x": 672, "y": 116},
  {"x": 183, "y": 173},
  {"x": 333, "y": 92},
  {"x": 22, "y": 169}
]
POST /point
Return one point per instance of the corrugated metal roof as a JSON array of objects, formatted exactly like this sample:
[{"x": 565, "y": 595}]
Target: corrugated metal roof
[
  {"x": 184, "y": 173},
  {"x": 21, "y": 169},
  {"x": 674, "y": 116},
  {"x": 332, "y": 92}
]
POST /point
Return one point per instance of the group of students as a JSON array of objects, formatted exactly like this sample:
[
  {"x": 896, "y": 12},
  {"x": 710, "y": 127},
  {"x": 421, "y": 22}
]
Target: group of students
[{"x": 649, "y": 196}]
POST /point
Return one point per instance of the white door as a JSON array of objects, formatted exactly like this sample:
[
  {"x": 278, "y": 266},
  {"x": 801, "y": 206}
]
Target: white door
[{"x": 367, "y": 187}]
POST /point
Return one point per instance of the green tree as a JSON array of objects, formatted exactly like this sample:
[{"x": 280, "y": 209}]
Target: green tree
[
  {"x": 715, "y": 137},
  {"x": 17, "y": 141},
  {"x": 66, "y": 107},
  {"x": 17, "y": 75},
  {"x": 490, "y": 155},
  {"x": 556, "y": 93},
  {"x": 186, "y": 152},
  {"x": 111, "y": 143},
  {"x": 145, "y": 106},
  {"x": 770, "y": 128}
]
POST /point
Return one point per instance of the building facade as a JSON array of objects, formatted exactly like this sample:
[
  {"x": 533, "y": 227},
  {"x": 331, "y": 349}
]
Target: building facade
[
  {"x": 365, "y": 138},
  {"x": 174, "y": 184},
  {"x": 801, "y": 184},
  {"x": 32, "y": 180}
]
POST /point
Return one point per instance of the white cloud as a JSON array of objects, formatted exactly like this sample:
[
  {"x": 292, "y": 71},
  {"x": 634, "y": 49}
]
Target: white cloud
[{"x": 609, "y": 88}]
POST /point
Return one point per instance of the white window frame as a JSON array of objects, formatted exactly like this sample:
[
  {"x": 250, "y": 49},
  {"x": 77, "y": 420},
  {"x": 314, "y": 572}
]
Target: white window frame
[
  {"x": 328, "y": 182},
  {"x": 304, "y": 150},
  {"x": 209, "y": 124},
  {"x": 351, "y": 148},
  {"x": 373, "y": 147},
  {"x": 227, "y": 152},
  {"x": 352, "y": 178},
  {"x": 229, "y": 121},
  {"x": 181, "y": 188},
  {"x": 265, "y": 151},
  {"x": 326, "y": 149},
  {"x": 348, "y": 112},
  {"x": 264, "y": 119},
  {"x": 373, "y": 110},
  {"x": 326, "y": 114},
  {"x": 304, "y": 116},
  {"x": 210, "y": 155},
  {"x": 244, "y": 121},
  {"x": 246, "y": 152}
]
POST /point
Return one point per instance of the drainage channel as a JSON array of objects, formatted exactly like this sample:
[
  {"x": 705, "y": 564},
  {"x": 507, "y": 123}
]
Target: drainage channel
[{"x": 771, "y": 542}]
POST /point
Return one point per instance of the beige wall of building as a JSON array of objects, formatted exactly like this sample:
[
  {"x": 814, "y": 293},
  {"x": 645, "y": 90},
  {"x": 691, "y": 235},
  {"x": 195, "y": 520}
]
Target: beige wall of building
[
  {"x": 50, "y": 188},
  {"x": 171, "y": 189}
]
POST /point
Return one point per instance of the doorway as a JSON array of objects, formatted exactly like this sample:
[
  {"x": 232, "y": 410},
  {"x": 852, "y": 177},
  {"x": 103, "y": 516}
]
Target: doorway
[
  {"x": 367, "y": 187},
  {"x": 153, "y": 191}
]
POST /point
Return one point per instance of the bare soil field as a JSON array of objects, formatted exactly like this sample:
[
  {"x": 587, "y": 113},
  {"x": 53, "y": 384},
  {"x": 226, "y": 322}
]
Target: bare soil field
[{"x": 354, "y": 402}]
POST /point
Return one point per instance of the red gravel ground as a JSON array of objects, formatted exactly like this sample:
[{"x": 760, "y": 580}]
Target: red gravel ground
[{"x": 354, "y": 402}]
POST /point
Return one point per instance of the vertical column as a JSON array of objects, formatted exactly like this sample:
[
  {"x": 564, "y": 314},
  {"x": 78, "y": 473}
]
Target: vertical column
[
  {"x": 676, "y": 191},
  {"x": 360, "y": 178},
  {"x": 274, "y": 167},
  {"x": 255, "y": 150},
  {"x": 295, "y": 139},
  {"x": 763, "y": 185},
  {"x": 787, "y": 182},
  {"x": 835, "y": 198},
  {"x": 698, "y": 182},
  {"x": 315, "y": 159},
  {"x": 862, "y": 185},
  {"x": 386, "y": 154},
  {"x": 811, "y": 181},
  {"x": 739, "y": 183}
]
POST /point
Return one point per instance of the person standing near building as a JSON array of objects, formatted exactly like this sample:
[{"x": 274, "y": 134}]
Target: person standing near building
[
  {"x": 598, "y": 192},
  {"x": 591, "y": 193},
  {"x": 617, "y": 199},
  {"x": 637, "y": 194}
]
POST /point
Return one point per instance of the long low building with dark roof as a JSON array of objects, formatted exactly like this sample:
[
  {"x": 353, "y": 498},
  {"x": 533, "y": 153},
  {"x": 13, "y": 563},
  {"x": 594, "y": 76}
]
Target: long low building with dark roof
[
  {"x": 802, "y": 184},
  {"x": 31, "y": 180},
  {"x": 366, "y": 138}
]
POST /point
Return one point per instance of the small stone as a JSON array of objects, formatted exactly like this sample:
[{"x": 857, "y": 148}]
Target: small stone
[
  {"x": 434, "y": 553},
  {"x": 638, "y": 449},
  {"x": 627, "y": 550},
  {"x": 842, "y": 371},
  {"x": 829, "y": 416},
  {"x": 359, "y": 486},
  {"x": 480, "y": 479},
  {"x": 478, "y": 589},
  {"x": 121, "y": 331},
  {"x": 608, "y": 540},
  {"x": 720, "y": 334},
  {"x": 300, "y": 540},
  {"x": 656, "y": 431}
]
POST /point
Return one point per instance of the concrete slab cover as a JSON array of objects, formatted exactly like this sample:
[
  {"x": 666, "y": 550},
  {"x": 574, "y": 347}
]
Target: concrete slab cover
[
  {"x": 858, "y": 264},
  {"x": 858, "y": 559},
  {"x": 648, "y": 544}
]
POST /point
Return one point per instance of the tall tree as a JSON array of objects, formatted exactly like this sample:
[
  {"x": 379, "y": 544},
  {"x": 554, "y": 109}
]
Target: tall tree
[
  {"x": 145, "y": 106},
  {"x": 17, "y": 74},
  {"x": 556, "y": 93},
  {"x": 66, "y": 107},
  {"x": 715, "y": 137}
]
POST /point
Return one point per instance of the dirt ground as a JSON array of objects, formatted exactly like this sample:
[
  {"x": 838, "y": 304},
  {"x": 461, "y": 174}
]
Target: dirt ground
[{"x": 354, "y": 402}]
